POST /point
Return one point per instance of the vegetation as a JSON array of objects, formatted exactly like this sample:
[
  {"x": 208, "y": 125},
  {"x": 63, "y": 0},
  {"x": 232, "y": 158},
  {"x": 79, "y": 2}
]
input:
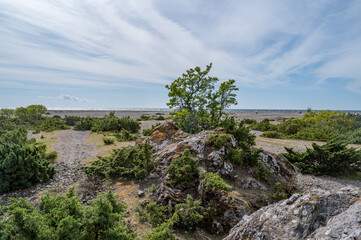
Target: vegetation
[
  {"x": 333, "y": 158},
  {"x": 115, "y": 124},
  {"x": 130, "y": 162},
  {"x": 219, "y": 140},
  {"x": 64, "y": 218},
  {"x": 108, "y": 141},
  {"x": 320, "y": 126},
  {"x": 148, "y": 131},
  {"x": 183, "y": 170},
  {"x": 124, "y": 136},
  {"x": 197, "y": 105},
  {"x": 262, "y": 172},
  {"x": 279, "y": 192},
  {"x": 23, "y": 162},
  {"x": 155, "y": 213},
  {"x": 84, "y": 124},
  {"x": 239, "y": 130},
  {"x": 188, "y": 214},
  {"x": 213, "y": 182}
]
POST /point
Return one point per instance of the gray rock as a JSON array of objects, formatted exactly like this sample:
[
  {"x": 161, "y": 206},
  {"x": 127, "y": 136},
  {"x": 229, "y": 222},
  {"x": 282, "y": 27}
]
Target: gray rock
[
  {"x": 301, "y": 215},
  {"x": 251, "y": 183},
  {"x": 346, "y": 225}
]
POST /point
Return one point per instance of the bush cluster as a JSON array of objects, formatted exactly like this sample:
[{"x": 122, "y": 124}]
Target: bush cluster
[
  {"x": 183, "y": 170},
  {"x": 219, "y": 140},
  {"x": 115, "y": 124},
  {"x": 130, "y": 162},
  {"x": 23, "y": 162},
  {"x": 333, "y": 158},
  {"x": 320, "y": 126},
  {"x": 213, "y": 182},
  {"x": 64, "y": 218}
]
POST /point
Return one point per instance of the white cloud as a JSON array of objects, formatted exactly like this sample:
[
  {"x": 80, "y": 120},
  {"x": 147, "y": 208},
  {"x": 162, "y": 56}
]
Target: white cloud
[
  {"x": 117, "y": 44},
  {"x": 73, "y": 98}
]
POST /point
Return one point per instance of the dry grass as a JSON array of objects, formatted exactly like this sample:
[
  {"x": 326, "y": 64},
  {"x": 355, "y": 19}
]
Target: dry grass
[
  {"x": 49, "y": 139},
  {"x": 100, "y": 148}
]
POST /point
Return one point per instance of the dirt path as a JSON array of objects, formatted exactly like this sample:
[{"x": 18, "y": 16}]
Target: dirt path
[{"x": 72, "y": 149}]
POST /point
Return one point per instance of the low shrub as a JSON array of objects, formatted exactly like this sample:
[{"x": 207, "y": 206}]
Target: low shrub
[
  {"x": 279, "y": 192},
  {"x": 124, "y": 136},
  {"x": 153, "y": 188},
  {"x": 262, "y": 173},
  {"x": 115, "y": 124},
  {"x": 51, "y": 124},
  {"x": 244, "y": 157},
  {"x": 213, "y": 182},
  {"x": 23, "y": 162},
  {"x": 249, "y": 121},
  {"x": 188, "y": 214},
  {"x": 162, "y": 232},
  {"x": 108, "y": 141},
  {"x": 218, "y": 140},
  {"x": 84, "y": 124},
  {"x": 239, "y": 130},
  {"x": 333, "y": 158},
  {"x": 263, "y": 125},
  {"x": 183, "y": 170},
  {"x": 160, "y": 118},
  {"x": 155, "y": 213},
  {"x": 64, "y": 218},
  {"x": 71, "y": 120},
  {"x": 130, "y": 162}
]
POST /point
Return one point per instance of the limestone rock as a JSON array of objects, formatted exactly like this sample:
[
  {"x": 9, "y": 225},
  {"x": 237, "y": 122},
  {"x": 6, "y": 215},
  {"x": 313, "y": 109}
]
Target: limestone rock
[
  {"x": 346, "y": 225},
  {"x": 252, "y": 183},
  {"x": 279, "y": 166},
  {"x": 299, "y": 216}
]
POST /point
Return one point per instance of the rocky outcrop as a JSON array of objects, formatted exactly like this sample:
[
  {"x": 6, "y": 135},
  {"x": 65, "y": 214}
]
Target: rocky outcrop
[
  {"x": 169, "y": 142},
  {"x": 318, "y": 214}
]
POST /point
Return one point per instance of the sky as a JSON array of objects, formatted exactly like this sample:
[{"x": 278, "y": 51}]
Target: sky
[{"x": 116, "y": 54}]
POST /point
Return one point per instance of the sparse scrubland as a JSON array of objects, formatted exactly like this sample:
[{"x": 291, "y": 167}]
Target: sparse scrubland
[{"x": 199, "y": 173}]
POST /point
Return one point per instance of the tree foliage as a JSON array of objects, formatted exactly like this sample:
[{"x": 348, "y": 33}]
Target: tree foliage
[{"x": 197, "y": 104}]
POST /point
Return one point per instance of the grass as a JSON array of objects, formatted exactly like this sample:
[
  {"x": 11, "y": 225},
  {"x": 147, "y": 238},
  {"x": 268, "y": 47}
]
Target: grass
[
  {"x": 354, "y": 176},
  {"x": 49, "y": 139},
  {"x": 101, "y": 149}
]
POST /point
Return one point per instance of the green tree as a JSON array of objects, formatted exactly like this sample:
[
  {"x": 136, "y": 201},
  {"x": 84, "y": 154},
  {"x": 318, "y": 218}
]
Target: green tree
[{"x": 198, "y": 105}]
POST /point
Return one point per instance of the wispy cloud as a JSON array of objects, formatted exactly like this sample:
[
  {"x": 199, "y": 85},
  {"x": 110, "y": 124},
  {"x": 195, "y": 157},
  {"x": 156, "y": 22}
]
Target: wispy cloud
[
  {"x": 117, "y": 44},
  {"x": 66, "y": 97},
  {"x": 73, "y": 98}
]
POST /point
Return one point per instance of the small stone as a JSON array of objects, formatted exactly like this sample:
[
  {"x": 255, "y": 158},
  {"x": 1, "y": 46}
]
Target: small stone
[{"x": 140, "y": 193}]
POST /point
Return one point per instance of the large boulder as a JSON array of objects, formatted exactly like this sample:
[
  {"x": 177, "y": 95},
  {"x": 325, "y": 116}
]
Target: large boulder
[{"x": 318, "y": 214}]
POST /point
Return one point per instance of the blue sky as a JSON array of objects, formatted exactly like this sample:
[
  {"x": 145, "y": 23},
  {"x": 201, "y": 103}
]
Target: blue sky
[{"x": 115, "y": 54}]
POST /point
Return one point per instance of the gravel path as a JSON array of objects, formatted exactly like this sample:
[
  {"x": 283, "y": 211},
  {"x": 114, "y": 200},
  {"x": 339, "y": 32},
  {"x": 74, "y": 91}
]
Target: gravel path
[{"x": 72, "y": 148}]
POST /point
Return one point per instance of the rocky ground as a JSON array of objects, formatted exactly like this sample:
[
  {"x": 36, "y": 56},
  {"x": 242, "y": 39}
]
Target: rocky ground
[{"x": 74, "y": 148}]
